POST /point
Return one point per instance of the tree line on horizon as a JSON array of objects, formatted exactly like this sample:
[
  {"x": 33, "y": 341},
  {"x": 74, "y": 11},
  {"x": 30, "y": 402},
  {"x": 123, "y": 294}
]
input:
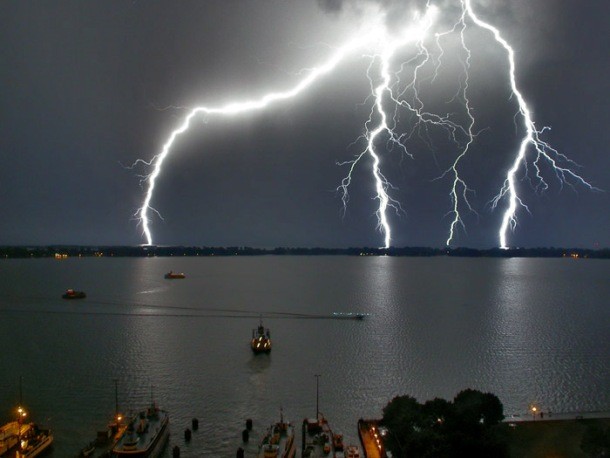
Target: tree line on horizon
[{"x": 25, "y": 251}]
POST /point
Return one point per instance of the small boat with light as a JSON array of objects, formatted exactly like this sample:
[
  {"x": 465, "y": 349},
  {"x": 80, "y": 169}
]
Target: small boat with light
[
  {"x": 73, "y": 294},
  {"x": 36, "y": 441},
  {"x": 279, "y": 441},
  {"x": 350, "y": 315},
  {"x": 145, "y": 436},
  {"x": 10, "y": 435},
  {"x": 171, "y": 275},
  {"x": 319, "y": 440},
  {"x": 261, "y": 339}
]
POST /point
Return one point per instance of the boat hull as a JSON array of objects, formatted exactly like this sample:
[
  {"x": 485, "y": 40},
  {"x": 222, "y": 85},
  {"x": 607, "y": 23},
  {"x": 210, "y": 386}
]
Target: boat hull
[
  {"x": 154, "y": 450},
  {"x": 39, "y": 445}
]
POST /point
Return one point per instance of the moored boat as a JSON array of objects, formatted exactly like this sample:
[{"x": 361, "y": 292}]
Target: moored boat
[
  {"x": 87, "y": 450},
  {"x": 145, "y": 436},
  {"x": 36, "y": 441},
  {"x": 352, "y": 451},
  {"x": 10, "y": 435},
  {"x": 261, "y": 339},
  {"x": 73, "y": 294},
  {"x": 319, "y": 439},
  {"x": 279, "y": 441},
  {"x": 171, "y": 275}
]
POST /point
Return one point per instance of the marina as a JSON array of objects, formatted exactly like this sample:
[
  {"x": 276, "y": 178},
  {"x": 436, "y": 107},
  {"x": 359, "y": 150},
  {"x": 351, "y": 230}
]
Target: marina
[{"x": 191, "y": 340}]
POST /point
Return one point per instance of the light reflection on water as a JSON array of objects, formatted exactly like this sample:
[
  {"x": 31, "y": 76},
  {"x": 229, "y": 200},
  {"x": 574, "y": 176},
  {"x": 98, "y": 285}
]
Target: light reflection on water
[{"x": 529, "y": 330}]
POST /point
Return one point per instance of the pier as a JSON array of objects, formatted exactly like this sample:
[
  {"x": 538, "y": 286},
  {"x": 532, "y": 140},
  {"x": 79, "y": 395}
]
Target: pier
[{"x": 370, "y": 438}]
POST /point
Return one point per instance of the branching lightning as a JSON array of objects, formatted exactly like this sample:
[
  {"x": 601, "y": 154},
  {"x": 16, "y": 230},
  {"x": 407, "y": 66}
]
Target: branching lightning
[
  {"x": 532, "y": 139},
  {"x": 395, "y": 94}
]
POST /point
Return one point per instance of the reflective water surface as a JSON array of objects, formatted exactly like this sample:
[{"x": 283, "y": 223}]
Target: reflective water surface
[{"x": 528, "y": 330}]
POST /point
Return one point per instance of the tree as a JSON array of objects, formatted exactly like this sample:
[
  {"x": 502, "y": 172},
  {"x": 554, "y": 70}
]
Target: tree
[{"x": 468, "y": 426}]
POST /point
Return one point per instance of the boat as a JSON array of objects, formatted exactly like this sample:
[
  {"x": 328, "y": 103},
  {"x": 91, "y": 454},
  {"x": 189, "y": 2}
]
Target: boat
[
  {"x": 350, "y": 315},
  {"x": 279, "y": 441},
  {"x": 106, "y": 439},
  {"x": 171, "y": 275},
  {"x": 36, "y": 441},
  {"x": 352, "y": 451},
  {"x": 10, "y": 435},
  {"x": 319, "y": 440},
  {"x": 261, "y": 339},
  {"x": 145, "y": 436},
  {"x": 87, "y": 450},
  {"x": 73, "y": 294}
]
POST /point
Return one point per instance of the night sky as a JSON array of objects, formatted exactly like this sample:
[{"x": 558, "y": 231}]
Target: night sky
[{"x": 88, "y": 87}]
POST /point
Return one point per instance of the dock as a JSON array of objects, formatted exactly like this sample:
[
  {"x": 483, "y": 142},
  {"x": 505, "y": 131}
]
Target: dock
[{"x": 371, "y": 439}]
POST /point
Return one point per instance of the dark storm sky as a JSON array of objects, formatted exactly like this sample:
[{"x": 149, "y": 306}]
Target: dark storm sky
[{"x": 88, "y": 87}]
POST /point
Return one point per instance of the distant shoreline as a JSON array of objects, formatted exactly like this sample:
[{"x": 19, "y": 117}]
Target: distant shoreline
[{"x": 64, "y": 251}]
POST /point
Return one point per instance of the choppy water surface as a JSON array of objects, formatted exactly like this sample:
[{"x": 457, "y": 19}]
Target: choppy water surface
[{"x": 528, "y": 330}]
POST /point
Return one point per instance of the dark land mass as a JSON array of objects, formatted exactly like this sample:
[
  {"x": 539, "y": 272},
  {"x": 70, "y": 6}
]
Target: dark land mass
[
  {"x": 51, "y": 251},
  {"x": 561, "y": 438}
]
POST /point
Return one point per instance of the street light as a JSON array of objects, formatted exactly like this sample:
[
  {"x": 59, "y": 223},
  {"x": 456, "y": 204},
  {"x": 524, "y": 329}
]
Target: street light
[{"x": 534, "y": 410}]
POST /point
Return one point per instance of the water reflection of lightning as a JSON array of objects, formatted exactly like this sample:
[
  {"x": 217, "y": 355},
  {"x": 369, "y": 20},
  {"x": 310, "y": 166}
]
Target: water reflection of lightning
[{"x": 393, "y": 93}]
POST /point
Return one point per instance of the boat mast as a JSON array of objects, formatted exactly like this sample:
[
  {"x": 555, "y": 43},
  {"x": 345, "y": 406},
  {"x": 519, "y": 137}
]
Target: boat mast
[
  {"x": 317, "y": 376},
  {"x": 116, "y": 396}
]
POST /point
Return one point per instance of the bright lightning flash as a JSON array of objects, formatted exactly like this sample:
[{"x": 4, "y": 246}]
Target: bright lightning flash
[{"x": 392, "y": 94}]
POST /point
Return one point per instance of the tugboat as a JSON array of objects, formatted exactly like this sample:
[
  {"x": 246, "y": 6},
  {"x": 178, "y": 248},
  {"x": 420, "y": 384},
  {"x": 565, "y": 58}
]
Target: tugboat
[
  {"x": 73, "y": 294},
  {"x": 171, "y": 275},
  {"x": 319, "y": 440},
  {"x": 27, "y": 440},
  {"x": 278, "y": 442},
  {"x": 34, "y": 442},
  {"x": 10, "y": 435},
  {"x": 106, "y": 439},
  {"x": 261, "y": 339},
  {"x": 145, "y": 436}
]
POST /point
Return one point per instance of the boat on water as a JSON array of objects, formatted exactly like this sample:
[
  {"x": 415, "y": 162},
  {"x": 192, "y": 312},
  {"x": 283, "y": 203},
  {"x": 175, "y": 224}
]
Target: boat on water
[
  {"x": 73, "y": 294},
  {"x": 261, "y": 339},
  {"x": 10, "y": 435},
  {"x": 319, "y": 440},
  {"x": 145, "y": 435},
  {"x": 106, "y": 439},
  {"x": 87, "y": 450},
  {"x": 279, "y": 441},
  {"x": 352, "y": 451},
  {"x": 350, "y": 315},
  {"x": 171, "y": 275},
  {"x": 36, "y": 441}
]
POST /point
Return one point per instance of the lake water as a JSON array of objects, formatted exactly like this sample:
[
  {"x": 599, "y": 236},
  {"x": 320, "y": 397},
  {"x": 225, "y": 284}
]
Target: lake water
[{"x": 528, "y": 330}]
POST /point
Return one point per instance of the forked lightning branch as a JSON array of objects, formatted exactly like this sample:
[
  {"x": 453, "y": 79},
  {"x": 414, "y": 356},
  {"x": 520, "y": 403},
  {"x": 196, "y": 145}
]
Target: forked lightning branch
[{"x": 393, "y": 89}]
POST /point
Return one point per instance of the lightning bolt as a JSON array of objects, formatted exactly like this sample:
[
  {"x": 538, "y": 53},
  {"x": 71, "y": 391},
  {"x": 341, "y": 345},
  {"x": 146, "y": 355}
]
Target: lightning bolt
[
  {"x": 374, "y": 129},
  {"x": 231, "y": 109},
  {"x": 532, "y": 139},
  {"x": 394, "y": 93},
  {"x": 378, "y": 35}
]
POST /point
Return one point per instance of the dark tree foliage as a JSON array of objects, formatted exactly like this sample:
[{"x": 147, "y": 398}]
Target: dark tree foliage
[{"x": 468, "y": 426}]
